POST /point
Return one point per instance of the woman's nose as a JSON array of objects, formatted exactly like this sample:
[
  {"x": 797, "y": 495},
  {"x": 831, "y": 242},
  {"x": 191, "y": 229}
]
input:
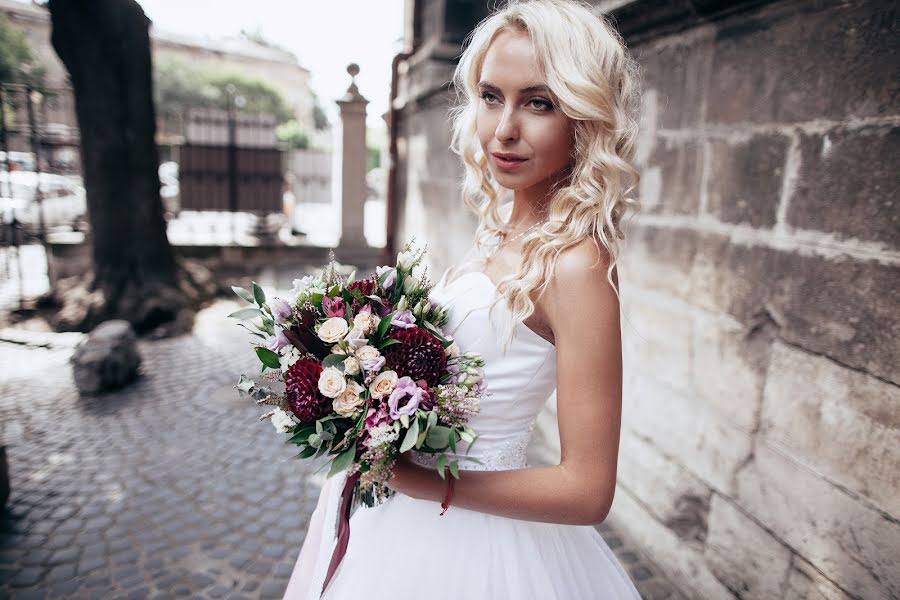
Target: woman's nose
[{"x": 507, "y": 128}]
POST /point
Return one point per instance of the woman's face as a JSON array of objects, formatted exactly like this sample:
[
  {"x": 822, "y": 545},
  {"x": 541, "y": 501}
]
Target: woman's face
[{"x": 525, "y": 136}]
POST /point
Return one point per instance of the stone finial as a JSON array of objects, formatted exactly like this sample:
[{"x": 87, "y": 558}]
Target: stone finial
[{"x": 352, "y": 94}]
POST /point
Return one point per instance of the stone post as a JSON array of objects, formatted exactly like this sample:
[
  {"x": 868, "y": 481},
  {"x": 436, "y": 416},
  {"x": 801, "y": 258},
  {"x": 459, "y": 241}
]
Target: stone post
[{"x": 352, "y": 187}]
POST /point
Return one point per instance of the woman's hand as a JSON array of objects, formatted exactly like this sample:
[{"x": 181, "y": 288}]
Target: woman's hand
[{"x": 409, "y": 478}]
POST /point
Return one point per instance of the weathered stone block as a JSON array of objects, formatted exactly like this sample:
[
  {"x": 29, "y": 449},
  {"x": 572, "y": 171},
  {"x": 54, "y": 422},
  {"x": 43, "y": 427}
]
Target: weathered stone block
[
  {"x": 682, "y": 562},
  {"x": 728, "y": 367},
  {"x": 853, "y": 544},
  {"x": 673, "y": 494},
  {"x": 679, "y": 165},
  {"x": 108, "y": 358},
  {"x": 745, "y": 179},
  {"x": 743, "y": 555},
  {"x": 678, "y": 70},
  {"x": 848, "y": 185},
  {"x": 657, "y": 341},
  {"x": 805, "y": 582},
  {"x": 810, "y": 402},
  {"x": 842, "y": 308},
  {"x": 685, "y": 428},
  {"x": 810, "y": 61},
  {"x": 658, "y": 259}
]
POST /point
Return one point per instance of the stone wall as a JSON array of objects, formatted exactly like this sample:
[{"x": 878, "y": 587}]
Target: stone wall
[
  {"x": 761, "y": 426},
  {"x": 761, "y": 432}
]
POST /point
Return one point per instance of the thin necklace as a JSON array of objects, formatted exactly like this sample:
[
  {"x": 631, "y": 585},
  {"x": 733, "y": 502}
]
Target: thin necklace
[{"x": 512, "y": 239}]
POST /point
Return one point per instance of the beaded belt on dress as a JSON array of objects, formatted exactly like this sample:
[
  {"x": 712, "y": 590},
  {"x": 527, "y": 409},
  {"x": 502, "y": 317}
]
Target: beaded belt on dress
[{"x": 502, "y": 456}]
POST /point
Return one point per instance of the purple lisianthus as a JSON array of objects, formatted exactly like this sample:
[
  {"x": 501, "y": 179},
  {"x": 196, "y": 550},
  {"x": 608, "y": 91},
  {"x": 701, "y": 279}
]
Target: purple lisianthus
[
  {"x": 333, "y": 307},
  {"x": 390, "y": 280},
  {"x": 404, "y": 319},
  {"x": 281, "y": 310},
  {"x": 278, "y": 341},
  {"x": 372, "y": 364},
  {"x": 405, "y": 398}
]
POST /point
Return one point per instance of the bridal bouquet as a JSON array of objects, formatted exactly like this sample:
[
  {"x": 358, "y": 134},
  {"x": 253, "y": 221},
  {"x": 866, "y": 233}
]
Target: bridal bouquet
[{"x": 364, "y": 371}]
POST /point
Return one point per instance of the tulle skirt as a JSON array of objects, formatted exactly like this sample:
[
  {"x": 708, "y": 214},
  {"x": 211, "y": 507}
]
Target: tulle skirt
[{"x": 405, "y": 550}]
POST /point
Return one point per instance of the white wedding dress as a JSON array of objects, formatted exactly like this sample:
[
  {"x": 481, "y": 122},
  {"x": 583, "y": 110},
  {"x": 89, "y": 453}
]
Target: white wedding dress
[{"x": 404, "y": 550}]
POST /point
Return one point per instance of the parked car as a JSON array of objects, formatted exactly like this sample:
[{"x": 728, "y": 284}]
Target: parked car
[{"x": 63, "y": 200}]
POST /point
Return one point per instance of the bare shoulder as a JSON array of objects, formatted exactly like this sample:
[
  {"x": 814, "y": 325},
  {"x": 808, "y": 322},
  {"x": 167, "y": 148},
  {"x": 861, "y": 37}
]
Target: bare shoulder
[{"x": 579, "y": 283}]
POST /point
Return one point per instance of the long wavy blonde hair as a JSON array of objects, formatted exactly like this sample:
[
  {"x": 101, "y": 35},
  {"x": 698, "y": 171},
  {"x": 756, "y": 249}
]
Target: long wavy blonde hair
[{"x": 596, "y": 82}]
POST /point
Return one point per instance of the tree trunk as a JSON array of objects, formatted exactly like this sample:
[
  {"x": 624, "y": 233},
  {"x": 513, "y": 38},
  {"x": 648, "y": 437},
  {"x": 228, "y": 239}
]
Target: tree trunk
[{"x": 105, "y": 45}]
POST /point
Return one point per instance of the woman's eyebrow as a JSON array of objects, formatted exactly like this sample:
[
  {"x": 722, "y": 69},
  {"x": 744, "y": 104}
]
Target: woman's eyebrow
[{"x": 525, "y": 90}]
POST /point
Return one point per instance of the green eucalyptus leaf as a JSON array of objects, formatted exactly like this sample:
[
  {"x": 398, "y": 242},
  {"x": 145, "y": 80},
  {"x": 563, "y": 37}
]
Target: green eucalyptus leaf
[
  {"x": 268, "y": 358},
  {"x": 454, "y": 469},
  {"x": 411, "y": 436},
  {"x": 307, "y": 452},
  {"x": 441, "y": 464},
  {"x": 384, "y": 324},
  {"x": 438, "y": 437},
  {"x": 244, "y": 294},
  {"x": 342, "y": 460},
  {"x": 404, "y": 420},
  {"x": 314, "y": 440},
  {"x": 421, "y": 439},
  {"x": 258, "y": 294},
  {"x": 432, "y": 419},
  {"x": 452, "y": 440},
  {"x": 245, "y": 313},
  {"x": 387, "y": 342},
  {"x": 334, "y": 360}
]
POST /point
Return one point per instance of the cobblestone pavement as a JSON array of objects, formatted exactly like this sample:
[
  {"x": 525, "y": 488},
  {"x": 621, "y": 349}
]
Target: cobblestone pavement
[{"x": 169, "y": 488}]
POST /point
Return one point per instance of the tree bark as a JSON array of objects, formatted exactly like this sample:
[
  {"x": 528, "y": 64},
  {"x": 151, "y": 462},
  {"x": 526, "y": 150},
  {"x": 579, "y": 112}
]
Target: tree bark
[{"x": 105, "y": 46}]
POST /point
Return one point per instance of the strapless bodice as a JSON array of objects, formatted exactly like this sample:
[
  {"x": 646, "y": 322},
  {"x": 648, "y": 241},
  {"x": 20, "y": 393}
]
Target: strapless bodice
[{"x": 518, "y": 382}]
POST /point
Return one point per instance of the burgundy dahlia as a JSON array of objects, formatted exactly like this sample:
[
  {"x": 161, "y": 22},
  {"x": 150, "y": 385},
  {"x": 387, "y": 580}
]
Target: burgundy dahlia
[
  {"x": 366, "y": 286},
  {"x": 302, "y": 390},
  {"x": 419, "y": 355}
]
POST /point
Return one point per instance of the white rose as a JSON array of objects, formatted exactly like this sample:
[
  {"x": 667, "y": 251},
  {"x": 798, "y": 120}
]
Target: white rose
[
  {"x": 350, "y": 401},
  {"x": 356, "y": 338},
  {"x": 383, "y": 384},
  {"x": 351, "y": 366},
  {"x": 367, "y": 352},
  {"x": 332, "y": 330},
  {"x": 452, "y": 351},
  {"x": 332, "y": 382},
  {"x": 282, "y": 420},
  {"x": 365, "y": 321}
]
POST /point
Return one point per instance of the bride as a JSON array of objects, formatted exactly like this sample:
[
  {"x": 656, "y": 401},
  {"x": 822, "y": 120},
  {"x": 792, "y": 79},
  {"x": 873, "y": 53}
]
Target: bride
[{"x": 548, "y": 112}]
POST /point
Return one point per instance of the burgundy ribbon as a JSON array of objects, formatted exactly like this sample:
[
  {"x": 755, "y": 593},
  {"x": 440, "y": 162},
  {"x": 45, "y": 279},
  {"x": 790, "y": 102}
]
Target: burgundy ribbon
[{"x": 343, "y": 532}]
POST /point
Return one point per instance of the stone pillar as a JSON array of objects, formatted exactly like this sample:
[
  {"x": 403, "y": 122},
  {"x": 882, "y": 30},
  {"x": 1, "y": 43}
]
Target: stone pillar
[{"x": 352, "y": 190}]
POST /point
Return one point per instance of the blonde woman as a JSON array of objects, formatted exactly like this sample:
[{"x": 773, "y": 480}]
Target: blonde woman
[{"x": 547, "y": 114}]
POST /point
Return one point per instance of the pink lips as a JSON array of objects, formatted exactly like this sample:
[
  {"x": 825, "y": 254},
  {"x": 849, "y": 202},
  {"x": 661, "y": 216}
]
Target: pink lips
[{"x": 507, "y": 161}]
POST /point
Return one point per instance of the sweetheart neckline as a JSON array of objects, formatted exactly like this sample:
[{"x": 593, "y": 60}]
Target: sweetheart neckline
[{"x": 490, "y": 282}]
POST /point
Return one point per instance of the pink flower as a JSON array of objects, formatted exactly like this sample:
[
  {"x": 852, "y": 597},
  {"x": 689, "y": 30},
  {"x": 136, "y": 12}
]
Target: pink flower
[{"x": 333, "y": 307}]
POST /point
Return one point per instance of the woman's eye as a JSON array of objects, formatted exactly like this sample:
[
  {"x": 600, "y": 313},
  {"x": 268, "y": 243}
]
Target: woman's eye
[
  {"x": 488, "y": 97},
  {"x": 541, "y": 104}
]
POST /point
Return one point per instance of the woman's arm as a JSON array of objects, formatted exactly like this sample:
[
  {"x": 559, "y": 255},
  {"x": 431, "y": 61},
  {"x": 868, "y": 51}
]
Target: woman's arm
[{"x": 583, "y": 311}]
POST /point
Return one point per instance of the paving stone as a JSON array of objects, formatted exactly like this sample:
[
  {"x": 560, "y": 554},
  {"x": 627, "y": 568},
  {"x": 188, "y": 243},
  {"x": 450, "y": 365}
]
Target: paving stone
[
  {"x": 131, "y": 509},
  {"x": 272, "y": 589}
]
